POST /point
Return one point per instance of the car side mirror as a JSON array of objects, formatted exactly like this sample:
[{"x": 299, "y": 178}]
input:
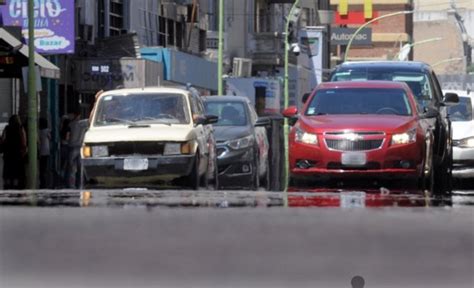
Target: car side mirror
[
  {"x": 262, "y": 122},
  {"x": 290, "y": 112},
  {"x": 305, "y": 97},
  {"x": 201, "y": 119},
  {"x": 210, "y": 119},
  {"x": 430, "y": 112},
  {"x": 450, "y": 99}
]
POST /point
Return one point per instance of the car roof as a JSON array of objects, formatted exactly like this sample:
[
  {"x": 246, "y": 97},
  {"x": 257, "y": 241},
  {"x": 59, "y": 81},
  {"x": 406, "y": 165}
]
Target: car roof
[
  {"x": 226, "y": 98},
  {"x": 145, "y": 90},
  {"x": 392, "y": 65},
  {"x": 363, "y": 84}
]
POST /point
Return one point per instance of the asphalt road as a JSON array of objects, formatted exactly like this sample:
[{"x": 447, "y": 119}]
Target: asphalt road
[{"x": 155, "y": 246}]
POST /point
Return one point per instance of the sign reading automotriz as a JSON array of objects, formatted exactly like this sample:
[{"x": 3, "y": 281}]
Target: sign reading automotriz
[{"x": 341, "y": 36}]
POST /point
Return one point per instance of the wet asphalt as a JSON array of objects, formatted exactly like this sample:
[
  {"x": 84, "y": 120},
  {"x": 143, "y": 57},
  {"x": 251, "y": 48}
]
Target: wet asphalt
[{"x": 167, "y": 238}]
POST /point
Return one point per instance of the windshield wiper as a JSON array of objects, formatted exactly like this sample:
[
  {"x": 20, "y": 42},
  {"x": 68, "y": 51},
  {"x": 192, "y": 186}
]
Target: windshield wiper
[
  {"x": 113, "y": 119},
  {"x": 148, "y": 118},
  {"x": 138, "y": 126}
]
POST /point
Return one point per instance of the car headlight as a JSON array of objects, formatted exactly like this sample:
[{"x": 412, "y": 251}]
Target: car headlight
[
  {"x": 467, "y": 142},
  {"x": 305, "y": 137},
  {"x": 100, "y": 151},
  {"x": 86, "y": 151},
  {"x": 172, "y": 149},
  {"x": 404, "y": 138},
  {"x": 241, "y": 143},
  {"x": 179, "y": 148}
]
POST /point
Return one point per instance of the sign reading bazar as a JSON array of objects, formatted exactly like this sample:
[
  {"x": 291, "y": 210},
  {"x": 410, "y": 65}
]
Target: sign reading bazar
[
  {"x": 341, "y": 36},
  {"x": 53, "y": 23}
]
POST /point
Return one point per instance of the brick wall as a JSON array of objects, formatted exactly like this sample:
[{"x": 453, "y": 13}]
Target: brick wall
[{"x": 390, "y": 26}]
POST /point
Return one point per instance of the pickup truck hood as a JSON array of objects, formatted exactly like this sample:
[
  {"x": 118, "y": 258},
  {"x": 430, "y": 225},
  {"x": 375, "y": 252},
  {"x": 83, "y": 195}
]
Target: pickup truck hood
[
  {"x": 462, "y": 129},
  {"x": 155, "y": 132},
  {"x": 386, "y": 123}
]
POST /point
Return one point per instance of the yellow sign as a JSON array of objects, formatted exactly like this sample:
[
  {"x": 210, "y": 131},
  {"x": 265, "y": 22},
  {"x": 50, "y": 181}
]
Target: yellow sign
[
  {"x": 368, "y": 9},
  {"x": 342, "y": 8}
]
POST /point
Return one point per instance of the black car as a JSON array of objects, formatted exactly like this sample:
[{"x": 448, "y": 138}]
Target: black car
[
  {"x": 241, "y": 141},
  {"x": 425, "y": 86}
]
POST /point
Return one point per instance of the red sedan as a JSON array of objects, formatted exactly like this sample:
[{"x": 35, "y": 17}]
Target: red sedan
[{"x": 370, "y": 128}]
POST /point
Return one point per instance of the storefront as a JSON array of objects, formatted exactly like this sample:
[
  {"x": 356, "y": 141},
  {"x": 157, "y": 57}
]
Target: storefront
[
  {"x": 182, "y": 68},
  {"x": 94, "y": 74},
  {"x": 13, "y": 61}
]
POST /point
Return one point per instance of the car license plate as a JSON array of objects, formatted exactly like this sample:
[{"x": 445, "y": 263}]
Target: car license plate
[
  {"x": 353, "y": 158},
  {"x": 135, "y": 164},
  {"x": 352, "y": 199}
]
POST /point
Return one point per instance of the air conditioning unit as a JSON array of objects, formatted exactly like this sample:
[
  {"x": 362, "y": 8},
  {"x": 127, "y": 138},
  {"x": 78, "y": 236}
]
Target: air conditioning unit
[{"x": 242, "y": 67}]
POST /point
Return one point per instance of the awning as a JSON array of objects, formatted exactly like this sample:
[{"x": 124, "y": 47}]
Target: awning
[{"x": 19, "y": 58}]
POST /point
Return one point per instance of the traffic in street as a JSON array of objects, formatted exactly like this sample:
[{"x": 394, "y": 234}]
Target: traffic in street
[{"x": 236, "y": 143}]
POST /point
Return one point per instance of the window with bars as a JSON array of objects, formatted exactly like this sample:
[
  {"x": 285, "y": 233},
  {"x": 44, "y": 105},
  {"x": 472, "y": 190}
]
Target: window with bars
[{"x": 116, "y": 17}]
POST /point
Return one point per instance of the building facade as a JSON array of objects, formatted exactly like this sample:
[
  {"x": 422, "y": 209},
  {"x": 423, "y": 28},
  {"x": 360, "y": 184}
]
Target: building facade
[
  {"x": 254, "y": 40},
  {"x": 387, "y": 34},
  {"x": 452, "y": 24}
]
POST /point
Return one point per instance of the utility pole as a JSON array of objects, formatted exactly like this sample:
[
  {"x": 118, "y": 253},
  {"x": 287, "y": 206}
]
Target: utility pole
[
  {"x": 32, "y": 103},
  {"x": 220, "y": 90},
  {"x": 292, "y": 17}
]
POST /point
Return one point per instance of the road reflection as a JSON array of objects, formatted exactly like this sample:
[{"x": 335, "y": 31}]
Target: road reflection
[
  {"x": 349, "y": 198},
  {"x": 317, "y": 197}
]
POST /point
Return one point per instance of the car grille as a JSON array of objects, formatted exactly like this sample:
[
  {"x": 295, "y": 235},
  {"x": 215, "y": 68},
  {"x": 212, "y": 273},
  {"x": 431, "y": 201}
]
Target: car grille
[
  {"x": 131, "y": 148},
  {"x": 349, "y": 145},
  {"x": 368, "y": 166}
]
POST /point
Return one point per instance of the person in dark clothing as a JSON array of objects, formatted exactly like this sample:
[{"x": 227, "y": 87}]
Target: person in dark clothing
[
  {"x": 64, "y": 132},
  {"x": 44, "y": 147},
  {"x": 14, "y": 152},
  {"x": 75, "y": 137}
]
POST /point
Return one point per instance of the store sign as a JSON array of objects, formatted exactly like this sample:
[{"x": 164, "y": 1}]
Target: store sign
[
  {"x": 94, "y": 74},
  {"x": 53, "y": 23},
  {"x": 353, "y": 17},
  {"x": 341, "y": 36}
]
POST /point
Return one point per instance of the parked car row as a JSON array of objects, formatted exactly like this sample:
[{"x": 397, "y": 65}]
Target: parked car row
[
  {"x": 379, "y": 120},
  {"x": 375, "y": 119},
  {"x": 154, "y": 136}
]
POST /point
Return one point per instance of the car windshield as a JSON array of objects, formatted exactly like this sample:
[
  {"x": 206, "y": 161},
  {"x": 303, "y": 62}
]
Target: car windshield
[
  {"x": 418, "y": 82},
  {"x": 462, "y": 111},
  {"x": 147, "y": 108},
  {"x": 230, "y": 113},
  {"x": 359, "y": 101}
]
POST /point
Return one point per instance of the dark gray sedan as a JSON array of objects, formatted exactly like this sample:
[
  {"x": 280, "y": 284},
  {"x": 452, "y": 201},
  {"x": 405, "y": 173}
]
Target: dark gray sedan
[{"x": 241, "y": 141}]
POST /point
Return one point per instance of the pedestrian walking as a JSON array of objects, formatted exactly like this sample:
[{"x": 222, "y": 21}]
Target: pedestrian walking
[
  {"x": 75, "y": 137},
  {"x": 14, "y": 151},
  {"x": 44, "y": 152}
]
